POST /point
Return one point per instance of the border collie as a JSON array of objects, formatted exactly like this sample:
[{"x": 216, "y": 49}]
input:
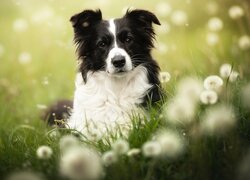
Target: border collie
[{"x": 117, "y": 74}]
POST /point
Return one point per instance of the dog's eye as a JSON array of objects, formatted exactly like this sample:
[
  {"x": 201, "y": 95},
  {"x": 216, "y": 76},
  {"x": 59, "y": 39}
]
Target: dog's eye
[
  {"x": 101, "y": 44},
  {"x": 128, "y": 39}
]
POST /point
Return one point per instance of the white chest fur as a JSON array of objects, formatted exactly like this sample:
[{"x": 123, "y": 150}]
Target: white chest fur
[{"x": 105, "y": 101}]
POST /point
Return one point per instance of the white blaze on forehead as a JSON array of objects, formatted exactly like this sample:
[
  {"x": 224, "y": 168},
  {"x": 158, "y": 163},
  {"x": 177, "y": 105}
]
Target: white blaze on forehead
[{"x": 112, "y": 29}]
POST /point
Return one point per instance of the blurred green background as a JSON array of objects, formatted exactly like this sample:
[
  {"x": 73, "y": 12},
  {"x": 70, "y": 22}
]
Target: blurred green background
[{"x": 37, "y": 54}]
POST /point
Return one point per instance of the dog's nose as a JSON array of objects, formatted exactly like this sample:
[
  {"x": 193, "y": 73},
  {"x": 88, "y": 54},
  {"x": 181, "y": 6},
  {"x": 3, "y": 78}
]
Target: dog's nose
[{"x": 118, "y": 61}]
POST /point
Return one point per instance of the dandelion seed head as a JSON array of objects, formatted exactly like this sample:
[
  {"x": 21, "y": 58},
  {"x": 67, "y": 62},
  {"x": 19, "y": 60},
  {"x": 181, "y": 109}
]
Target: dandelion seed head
[
  {"x": 213, "y": 82},
  {"x": 133, "y": 152},
  {"x": 190, "y": 88},
  {"x": 24, "y": 58},
  {"x": 212, "y": 39},
  {"x": 165, "y": 77},
  {"x": 44, "y": 152},
  {"x": 233, "y": 76},
  {"x": 20, "y": 25},
  {"x": 163, "y": 9},
  {"x": 225, "y": 70},
  {"x": 215, "y": 24},
  {"x": 180, "y": 110},
  {"x": 208, "y": 97},
  {"x": 81, "y": 163},
  {"x": 244, "y": 42},
  {"x": 179, "y": 18},
  {"x": 120, "y": 146},
  {"x": 151, "y": 149},
  {"x": 171, "y": 143},
  {"x": 109, "y": 157},
  {"x": 218, "y": 120},
  {"x": 68, "y": 141},
  {"x": 235, "y": 12}
]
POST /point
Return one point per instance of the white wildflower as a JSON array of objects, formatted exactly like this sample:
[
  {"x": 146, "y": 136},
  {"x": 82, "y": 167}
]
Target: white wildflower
[
  {"x": 163, "y": 9},
  {"x": 120, "y": 146},
  {"x": 109, "y": 157},
  {"x": 190, "y": 88},
  {"x": 179, "y": 18},
  {"x": 215, "y": 24},
  {"x": 212, "y": 39},
  {"x": 225, "y": 70},
  {"x": 165, "y": 77},
  {"x": 218, "y": 120},
  {"x": 68, "y": 141},
  {"x": 81, "y": 163},
  {"x": 1, "y": 50},
  {"x": 44, "y": 152},
  {"x": 245, "y": 95},
  {"x": 24, "y": 58},
  {"x": 24, "y": 175},
  {"x": 244, "y": 42},
  {"x": 20, "y": 25},
  {"x": 213, "y": 82},
  {"x": 236, "y": 12},
  {"x": 180, "y": 110},
  {"x": 151, "y": 149},
  {"x": 171, "y": 143},
  {"x": 133, "y": 152},
  {"x": 208, "y": 97},
  {"x": 233, "y": 76}
]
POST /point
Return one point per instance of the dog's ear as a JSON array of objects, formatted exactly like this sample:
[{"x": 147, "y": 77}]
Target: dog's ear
[
  {"x": 86, "y": 18},
  {"x": 142, "y": 16}
]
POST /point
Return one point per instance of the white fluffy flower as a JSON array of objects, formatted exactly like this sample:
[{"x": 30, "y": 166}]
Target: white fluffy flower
[
  {"x": 109, "y": 158},
  {"x": 180, "y": 110},
  {"x": 190, "y": 88},
  {"x": 215, "y": 24},
  {"x": 213, "y": 82},
  {"x": 244, "y": 42},
  {"x": 212, "y": 39},
  {"x": 24, "y": 175},
  {"x": 233, "y": 76},
  {"x": 20, "y": 25},
  {"x": 151, "y": 149},
  {"x": 236, "y": 12},
  {"x": 218, "y": 120},
  {"x": 245, "y": 95},
  {"x": 171, "y": 143},
  {"x": 179, "y": 18},
  {"x": 208, "y": 97},
  {"x": 225, "y": 70},
  {"x": 24, "y": 58},
  {"x": 68, "y": 141},
  {"x": 44, "y": 152},
  {"x": 120, "y": 146},
  {"x": 163, "y": 9},
  {"x": 1, "y": 50},
  {"x": 81, "y": 163},
  {"x": 165, "y": 77},
  {"x": 133, "y": 152}
]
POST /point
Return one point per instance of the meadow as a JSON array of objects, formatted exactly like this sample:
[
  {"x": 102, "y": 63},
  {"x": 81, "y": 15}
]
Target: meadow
[{"x": 200, "y": 131}]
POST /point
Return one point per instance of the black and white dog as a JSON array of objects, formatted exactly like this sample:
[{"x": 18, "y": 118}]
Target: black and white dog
[{"x": 117, "y": 73}]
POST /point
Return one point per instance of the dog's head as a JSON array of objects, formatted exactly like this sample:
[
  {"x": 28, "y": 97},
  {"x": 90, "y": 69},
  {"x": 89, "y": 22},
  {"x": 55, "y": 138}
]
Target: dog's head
[{"x": 115, "y": 46}]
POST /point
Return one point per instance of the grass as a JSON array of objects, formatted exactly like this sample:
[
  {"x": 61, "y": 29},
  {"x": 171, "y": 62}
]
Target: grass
[{"x": 23, "y": 86}]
